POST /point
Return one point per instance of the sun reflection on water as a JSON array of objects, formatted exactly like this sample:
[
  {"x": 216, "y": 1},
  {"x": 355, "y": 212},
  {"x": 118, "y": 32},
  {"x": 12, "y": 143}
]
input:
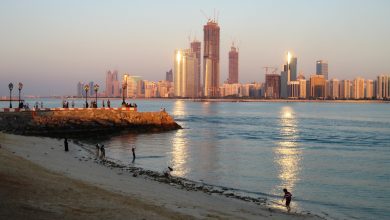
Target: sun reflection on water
[
  {"x": 179, "y": 160},
  {"x": 287, "y": 153}
]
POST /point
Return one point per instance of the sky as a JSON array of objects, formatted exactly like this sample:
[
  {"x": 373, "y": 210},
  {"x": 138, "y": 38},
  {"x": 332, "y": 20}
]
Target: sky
[{"x": 51, "y": 45}]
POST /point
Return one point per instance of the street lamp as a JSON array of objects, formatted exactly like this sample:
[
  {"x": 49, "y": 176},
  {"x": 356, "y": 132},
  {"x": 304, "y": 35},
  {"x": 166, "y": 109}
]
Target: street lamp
[
  {"x": 96, "y": 88},
  {"x": 10, "y": 87},
  {"x": 124, "y": 86},
  {"x": 20, "y": 87},
  {"x": 86, "y": 88}
]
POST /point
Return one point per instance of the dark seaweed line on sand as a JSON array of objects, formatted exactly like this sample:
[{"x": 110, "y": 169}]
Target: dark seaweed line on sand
[{"x": 183, "y": 183}]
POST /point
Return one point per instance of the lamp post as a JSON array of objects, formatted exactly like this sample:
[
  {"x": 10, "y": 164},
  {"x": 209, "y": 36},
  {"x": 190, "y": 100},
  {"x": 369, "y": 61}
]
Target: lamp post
[
  {"x": 86, "y": 88},
  {"x": 96, "y": 88},
  {"x": 124, "y": 86},
  {"x": 20, "y": 87},
  {"x": 10, "y": 87}
]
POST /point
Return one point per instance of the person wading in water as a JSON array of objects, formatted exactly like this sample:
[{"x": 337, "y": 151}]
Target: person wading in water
[{"x": 133, "y": 150}]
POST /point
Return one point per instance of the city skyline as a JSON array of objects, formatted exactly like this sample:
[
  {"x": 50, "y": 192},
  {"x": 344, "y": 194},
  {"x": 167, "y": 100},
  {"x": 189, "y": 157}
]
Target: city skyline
[{"x": 77, "y": 44}]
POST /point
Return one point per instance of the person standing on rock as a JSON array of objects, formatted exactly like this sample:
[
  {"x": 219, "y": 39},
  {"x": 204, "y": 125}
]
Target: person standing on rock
[
  {"x": 108, "y": 103},
  {"x": 66, "y": 144}
]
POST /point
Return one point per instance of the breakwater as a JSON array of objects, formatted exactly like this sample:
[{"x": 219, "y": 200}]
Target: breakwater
[{"x": 79, "y": 121}]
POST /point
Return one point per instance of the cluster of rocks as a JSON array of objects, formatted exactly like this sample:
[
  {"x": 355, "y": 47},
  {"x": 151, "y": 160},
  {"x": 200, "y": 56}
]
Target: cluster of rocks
[
  {"x": 181, "y": 183},
  {"x": 86, "y": 120}
]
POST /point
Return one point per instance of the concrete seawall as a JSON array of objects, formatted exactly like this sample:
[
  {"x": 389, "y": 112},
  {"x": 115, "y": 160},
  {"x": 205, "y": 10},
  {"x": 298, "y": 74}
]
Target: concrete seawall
[{"x": 69, "y": 122}]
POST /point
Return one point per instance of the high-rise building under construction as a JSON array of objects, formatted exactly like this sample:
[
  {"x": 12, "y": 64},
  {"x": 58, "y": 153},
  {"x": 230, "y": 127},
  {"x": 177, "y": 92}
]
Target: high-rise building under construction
[
  {"x": 233, "y": 65},
  {"x": 211, "y": 59}
]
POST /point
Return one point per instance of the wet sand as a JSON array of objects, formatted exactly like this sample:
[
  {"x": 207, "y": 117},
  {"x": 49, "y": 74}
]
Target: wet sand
[{"x": 38, "y": 180}]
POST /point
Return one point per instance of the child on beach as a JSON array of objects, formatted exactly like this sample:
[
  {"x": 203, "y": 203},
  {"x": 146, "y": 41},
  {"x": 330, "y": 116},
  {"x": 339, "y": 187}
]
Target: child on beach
[{"x": 287, "y": 196}]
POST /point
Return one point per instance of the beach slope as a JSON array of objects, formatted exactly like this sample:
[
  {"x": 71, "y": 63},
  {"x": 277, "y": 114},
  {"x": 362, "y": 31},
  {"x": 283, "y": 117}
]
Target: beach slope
[{"x": 38, "y": 180}]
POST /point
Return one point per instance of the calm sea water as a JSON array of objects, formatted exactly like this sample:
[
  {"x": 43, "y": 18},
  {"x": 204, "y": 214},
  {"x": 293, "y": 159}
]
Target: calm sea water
[{"x": 334, "y": 158}]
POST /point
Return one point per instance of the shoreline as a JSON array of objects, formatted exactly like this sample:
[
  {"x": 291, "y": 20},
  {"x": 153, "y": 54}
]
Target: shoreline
[
  {"x": 357, "y": 101},
  {"x": 186, "y": 198}
]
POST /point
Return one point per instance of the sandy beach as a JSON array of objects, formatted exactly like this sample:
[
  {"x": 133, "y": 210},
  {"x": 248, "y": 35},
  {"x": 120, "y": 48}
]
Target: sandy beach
[{"x": 38, "y": 180}]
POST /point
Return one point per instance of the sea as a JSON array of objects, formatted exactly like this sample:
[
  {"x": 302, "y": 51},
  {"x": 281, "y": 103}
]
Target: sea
[{"x": 333, "y": 157}]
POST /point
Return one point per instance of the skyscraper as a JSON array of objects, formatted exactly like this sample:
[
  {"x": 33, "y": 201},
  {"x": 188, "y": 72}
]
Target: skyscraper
[
  {"x": 112, "y": 84},
  {"x": 233, "y": 65},
  {"x": 302, "y": 88},
  {"x": 288, "y": 75},
  {"x": 293, "y": 67},
  {"x": 211, "y": 59},
  {"x": 345, "y": 89},
  {"x": 358, "y": 88},
  {"x": 284, "y": 80},
  {"x": 169, "y": 76},
  {"x": 383, "y": 91},
  {"x": 369, "y": 89},
  {"x": 132, "y": 85},
  {"x": 196, "y": 48},
  {"x": 80, "y": 89},
  {"x": 272, "y": 86},
  {"x": 334, "y": 88},
  {"x": 322, "y": 68},
  {"x": 317, "y": 86},
  {"x": 91, "y": 91},
  {"x": 185, "y": 74}
]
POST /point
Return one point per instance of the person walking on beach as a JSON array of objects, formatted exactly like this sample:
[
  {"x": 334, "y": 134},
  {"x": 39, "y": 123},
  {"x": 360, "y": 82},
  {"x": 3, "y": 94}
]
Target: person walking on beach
[
  {"x": 133, "y": 150},
  {"x": 102, "y": 152},
  {"x": 97, "y": 151},
  {"x": 287, "y": 196},
  {"x": 66, "y": 144}
]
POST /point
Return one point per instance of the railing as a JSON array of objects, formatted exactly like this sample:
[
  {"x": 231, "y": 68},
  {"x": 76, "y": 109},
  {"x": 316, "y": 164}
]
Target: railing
[{"x": 63, "y": 109}]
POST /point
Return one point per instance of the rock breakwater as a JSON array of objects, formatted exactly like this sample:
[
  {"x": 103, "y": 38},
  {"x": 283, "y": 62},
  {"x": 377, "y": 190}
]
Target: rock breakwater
[{"x": 73, "y": 122}]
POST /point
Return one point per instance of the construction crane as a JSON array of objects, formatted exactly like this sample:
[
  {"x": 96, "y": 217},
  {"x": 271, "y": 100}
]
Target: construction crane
[{"x": 205, "y": 15}]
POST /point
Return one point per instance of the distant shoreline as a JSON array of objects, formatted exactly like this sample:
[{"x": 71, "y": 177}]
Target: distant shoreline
[{"x": 358, "y": 101}]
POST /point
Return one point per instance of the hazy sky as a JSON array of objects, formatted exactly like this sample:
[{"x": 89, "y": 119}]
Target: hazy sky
[{"x": 51, "y": 45}]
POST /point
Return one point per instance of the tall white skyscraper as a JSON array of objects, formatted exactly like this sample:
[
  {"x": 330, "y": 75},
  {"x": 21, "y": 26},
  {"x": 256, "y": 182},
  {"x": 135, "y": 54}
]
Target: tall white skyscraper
[{"x": 185, "y": 71}]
